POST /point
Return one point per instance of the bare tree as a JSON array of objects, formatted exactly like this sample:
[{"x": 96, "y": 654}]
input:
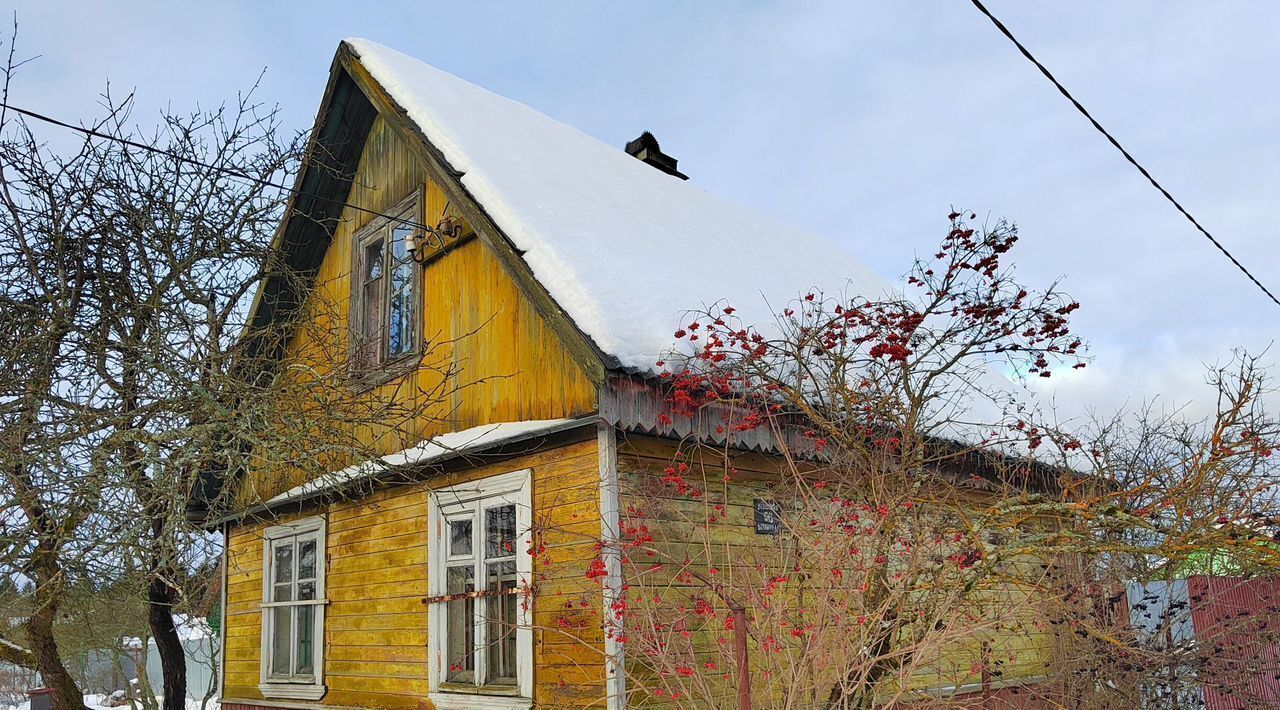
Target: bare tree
[
  {"x": 46, "y": 252},
  {"x": 131, "y": 374}
]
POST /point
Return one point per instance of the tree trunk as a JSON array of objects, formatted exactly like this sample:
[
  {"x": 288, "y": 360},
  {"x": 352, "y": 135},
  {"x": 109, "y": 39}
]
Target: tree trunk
[
  {"x": 66, "y": 694},
  {"x": 173, "y": 659}
]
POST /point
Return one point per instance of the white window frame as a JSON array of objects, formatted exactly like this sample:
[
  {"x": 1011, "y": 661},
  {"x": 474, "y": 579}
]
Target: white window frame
[
  {"x": 444, "y": 504},
  {"x": 296, "y": 687}
]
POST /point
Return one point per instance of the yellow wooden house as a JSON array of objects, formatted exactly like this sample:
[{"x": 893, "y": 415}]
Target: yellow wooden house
[{"x": 561, "y": 269}]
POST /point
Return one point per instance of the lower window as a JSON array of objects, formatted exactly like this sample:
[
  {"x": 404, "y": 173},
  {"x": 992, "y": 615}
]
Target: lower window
[
  {"x": 293, "y": 610},
  {"x": 481, "y": 611}
]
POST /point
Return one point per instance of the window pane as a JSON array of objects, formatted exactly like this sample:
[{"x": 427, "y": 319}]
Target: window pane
[
  {"x": 369, "y": 341},
  {"x": 281, "y": 638},
  {"x": 399, "y": 250},
  {"x": 395, "y": 326},
  {"x": 307, "y": 559},
  {"x": 501, "y": 620},
  {"x": 304, "y": 657},
  {"x": 369, "y": 316},
  {"x": 283, "y": 562},
  {"x": 408, "y": 319},
  {"x": 282, "y": 593},
  {"x": 460, "y": 623},
  {"x": 400, "y": 307},
  {"x": 400, "y": 311},
  {"x": 500, "y": 531},
  {"x": 459, "y": 537},
  {"x": 373, "y": 261},
  {"x": 306, "y": 590}
]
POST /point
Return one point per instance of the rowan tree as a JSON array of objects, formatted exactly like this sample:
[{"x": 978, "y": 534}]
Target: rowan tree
[{"x": 936, "y": 533}]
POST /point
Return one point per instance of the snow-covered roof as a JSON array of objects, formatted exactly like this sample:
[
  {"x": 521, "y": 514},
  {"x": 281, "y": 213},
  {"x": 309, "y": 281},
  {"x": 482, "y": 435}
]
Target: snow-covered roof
[
  {"x": 625, "y": 249},
  {"x": 434, "y": 450}
]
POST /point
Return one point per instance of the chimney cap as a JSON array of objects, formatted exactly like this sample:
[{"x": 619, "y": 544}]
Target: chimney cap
[{"x": 646, "y": 149}]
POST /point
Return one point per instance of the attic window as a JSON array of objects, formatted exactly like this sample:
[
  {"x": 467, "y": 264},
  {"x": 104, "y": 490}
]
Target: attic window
[{"x": 386, "y": 295}]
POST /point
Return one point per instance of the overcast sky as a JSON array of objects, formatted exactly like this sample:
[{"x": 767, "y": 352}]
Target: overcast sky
[{"x": 862, "y": 121}]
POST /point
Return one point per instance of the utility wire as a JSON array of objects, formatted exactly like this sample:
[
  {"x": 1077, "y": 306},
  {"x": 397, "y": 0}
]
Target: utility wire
[
  {"x": 226, "y": 171},
  {"x": 1085, "y": 112}
]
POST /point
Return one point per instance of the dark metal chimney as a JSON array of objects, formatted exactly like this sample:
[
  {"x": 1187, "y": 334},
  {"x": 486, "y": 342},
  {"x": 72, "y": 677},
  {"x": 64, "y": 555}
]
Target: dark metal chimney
[{"x": 646, "y": 148}]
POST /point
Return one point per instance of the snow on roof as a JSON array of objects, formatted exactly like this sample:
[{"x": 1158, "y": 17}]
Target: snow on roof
[
  {"x": 626, "y": 250},
  {"x": 436, "y": 449}
]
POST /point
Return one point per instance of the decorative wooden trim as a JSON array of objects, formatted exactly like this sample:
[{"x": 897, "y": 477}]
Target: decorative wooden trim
[
  {"x": 579, "y": 344},
  {"x": 969, "y": 690},
  {"x": 639, "y": 405}
]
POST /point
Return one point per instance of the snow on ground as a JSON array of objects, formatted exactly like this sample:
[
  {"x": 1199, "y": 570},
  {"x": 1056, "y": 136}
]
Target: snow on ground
[
  {"x": 626, "y": 250},
  {"x": 98, "y": 702}
]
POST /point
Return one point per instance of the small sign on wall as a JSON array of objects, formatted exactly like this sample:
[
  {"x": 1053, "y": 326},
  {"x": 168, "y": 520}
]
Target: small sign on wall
[{"x": 768, "y": 517}]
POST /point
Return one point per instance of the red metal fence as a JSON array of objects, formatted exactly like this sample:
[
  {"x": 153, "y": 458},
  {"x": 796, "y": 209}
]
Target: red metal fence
[{"x": 1237, "y": 635}]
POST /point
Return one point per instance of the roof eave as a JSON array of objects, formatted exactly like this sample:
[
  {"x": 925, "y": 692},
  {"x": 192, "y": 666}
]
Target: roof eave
[{"x": 493, "y": 451}]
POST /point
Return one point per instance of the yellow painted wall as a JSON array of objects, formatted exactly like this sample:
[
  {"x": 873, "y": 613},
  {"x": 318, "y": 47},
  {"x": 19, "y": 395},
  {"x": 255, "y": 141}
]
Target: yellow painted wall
[
  {"x": 510, "y": 365},
  {"x": 730, "y": 545},
  {"x": 375, "y": 640}
]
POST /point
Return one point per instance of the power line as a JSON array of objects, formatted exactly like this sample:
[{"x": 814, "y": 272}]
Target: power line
[
  {"x": 1085, "y": 112},
  {"x": 224, "y": 170}
]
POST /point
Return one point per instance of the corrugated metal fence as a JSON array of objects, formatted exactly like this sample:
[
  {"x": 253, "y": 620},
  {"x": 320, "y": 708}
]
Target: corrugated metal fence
[
  {"x": 1222, "y": 635},
  {"x": 1237, "y": 627},
  {"x": 202, "y": 659}
]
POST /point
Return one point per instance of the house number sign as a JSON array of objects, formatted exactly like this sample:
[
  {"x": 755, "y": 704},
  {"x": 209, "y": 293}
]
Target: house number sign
[{"x": 768, "y": 517}]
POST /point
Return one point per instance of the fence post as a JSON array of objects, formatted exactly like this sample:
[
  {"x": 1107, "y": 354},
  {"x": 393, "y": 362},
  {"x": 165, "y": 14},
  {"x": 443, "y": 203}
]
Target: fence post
[{"x": 744, "y": 664}]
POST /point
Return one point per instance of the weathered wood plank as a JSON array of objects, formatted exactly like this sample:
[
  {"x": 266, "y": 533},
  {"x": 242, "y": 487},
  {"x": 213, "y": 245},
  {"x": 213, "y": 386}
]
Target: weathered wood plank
[
  {"x": 378, "y": 622},
  {"x": 376, "y": 637}
]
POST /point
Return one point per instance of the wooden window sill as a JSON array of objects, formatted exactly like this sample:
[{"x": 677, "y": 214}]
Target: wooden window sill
[
  {"x": 380, "y": 374},
  {"x": 478, "y": 701},
  {"x": 292, "y": 691}
]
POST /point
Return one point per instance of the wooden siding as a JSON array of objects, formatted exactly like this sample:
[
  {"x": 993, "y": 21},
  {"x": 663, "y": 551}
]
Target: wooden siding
[
  {"x": 510, "y": 364},
  {"x": 375, "y": 641},
  {"x": 730, "y": 544}
]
